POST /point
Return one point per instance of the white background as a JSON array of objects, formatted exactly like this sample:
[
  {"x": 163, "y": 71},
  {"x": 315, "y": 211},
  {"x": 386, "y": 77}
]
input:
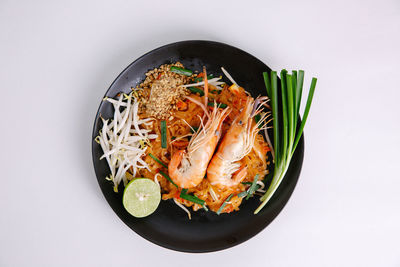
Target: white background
[{"x": 58, "y": 58}]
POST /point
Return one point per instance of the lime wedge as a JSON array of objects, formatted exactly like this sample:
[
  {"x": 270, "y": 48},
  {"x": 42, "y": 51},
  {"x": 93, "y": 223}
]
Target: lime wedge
[{"x": 141, "y": 197}]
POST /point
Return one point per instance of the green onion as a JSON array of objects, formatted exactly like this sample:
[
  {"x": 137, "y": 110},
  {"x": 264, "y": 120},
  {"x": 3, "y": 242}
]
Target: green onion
[
  {"x": 194, "y": 129},
  {"x": 196, "y": 90},
  {"x": 285, "y": 146},
  {"x": 247, "y": 183},
  {"x": 163, "y": 134},
  {"x": 224, "y": 204},
  {"x": 219, "y": 105},
  {"x": 168, "y": 178},
  {"x": 200, "y": 79},
  {"x": 191, "y": 198},
  {"x": 184, "y": 190},
  {"x": 158, "y": 161},
  {"x": 242, "y": 194},
  {"x": 252, "y": 188},
  {"x": 181, "y": 71}
]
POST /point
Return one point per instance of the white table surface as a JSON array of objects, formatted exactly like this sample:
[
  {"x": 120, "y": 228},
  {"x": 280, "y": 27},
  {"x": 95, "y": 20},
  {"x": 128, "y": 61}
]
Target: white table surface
[{"x": 57, "y": 58}]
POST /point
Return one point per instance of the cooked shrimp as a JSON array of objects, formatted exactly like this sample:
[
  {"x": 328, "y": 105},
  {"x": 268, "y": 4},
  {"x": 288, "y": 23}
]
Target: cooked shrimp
[
  {"x": 225, "y": 169},
  {"x": 187, "y": 168}
]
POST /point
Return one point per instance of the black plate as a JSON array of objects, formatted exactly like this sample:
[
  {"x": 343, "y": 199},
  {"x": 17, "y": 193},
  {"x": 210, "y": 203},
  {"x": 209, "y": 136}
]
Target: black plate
[{"x": 169, "y": 225}]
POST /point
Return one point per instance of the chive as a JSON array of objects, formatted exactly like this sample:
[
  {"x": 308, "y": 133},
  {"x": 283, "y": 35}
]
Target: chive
[
  {"x": 181, "y": 71},
  {"x": 290, "y": 102},
  {"x": 219, "y": 105},
  {"x": 158, "y": 161},
  {"x": 200, "y": 79},
  {"x": 196, "y": 90},
  {"x": 284, "y": 113},
  {"x": 274, "y": 103},
  {"x": 224, "y": 204},
  {"x": 252, "y": 188},
  {"x": 242, "y": 194},
  {"x": 168, "y": 178},
  {"x": 163, "y": 134},
  {"x": 267, "y": 83},
  {"x": 299, "y": 90},
  {"x": 294, "y": 85},
  {"x": 306, "y": 111},
  {"x": 191, "y": 198},
  {"x": 291, "y": 88}
]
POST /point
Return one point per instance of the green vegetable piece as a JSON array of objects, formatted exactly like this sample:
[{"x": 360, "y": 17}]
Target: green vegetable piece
[
  {"x": 242, "y": 194},
  {"x": 158, "y": 161},
  {"x": 196, "y": 90},
  {"x": 291, "y": 88},
  {"x": 253, "y": 187},
  {"x": 163, "y": 134},
  {"x": 219, "y": 105},
  {"x": 224, "y": 204},
  {"x": 168, "y": 178},
  {"x": 191, "y": 198},
  {"x": 181, "y": 71}
]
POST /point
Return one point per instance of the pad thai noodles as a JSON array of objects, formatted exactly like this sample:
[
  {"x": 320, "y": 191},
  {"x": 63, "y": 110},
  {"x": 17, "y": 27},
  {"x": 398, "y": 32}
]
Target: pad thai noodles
[{"x": 200, "y": 137}]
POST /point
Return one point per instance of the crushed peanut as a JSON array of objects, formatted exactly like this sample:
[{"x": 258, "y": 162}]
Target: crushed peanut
[{"x": 161, "y": 90}]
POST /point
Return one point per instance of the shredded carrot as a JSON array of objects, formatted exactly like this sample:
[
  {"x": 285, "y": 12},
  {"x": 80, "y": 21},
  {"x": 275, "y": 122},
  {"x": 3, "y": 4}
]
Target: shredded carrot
[{"x": 182, "y": 105}]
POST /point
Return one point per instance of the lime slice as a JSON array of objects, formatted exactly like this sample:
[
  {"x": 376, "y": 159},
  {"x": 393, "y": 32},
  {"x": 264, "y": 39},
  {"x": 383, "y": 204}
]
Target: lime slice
[{"x": 141, "y": 197}]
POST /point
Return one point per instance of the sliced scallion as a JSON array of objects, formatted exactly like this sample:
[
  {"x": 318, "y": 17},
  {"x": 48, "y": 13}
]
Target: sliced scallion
[
  {"x": 253, "y": 187},
  {"x": 242, "y": 194},
  {"x": 219, "y": 105},
  {"x": 191, "y": 198},
  {"x": 196, "y": 90},
  {"x": 163, "y": 134},
  {"x": 181, "y": 71},
  {"x": 168, "y": 178},
  {"x": 224, "y": 204},
  {"x": 200, "y": 79},
  {"x": 158, "y": 161}
]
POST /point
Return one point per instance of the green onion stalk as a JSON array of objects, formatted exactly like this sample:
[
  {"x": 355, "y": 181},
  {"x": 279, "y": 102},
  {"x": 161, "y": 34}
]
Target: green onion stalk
[{"x": 285, "y": 145}]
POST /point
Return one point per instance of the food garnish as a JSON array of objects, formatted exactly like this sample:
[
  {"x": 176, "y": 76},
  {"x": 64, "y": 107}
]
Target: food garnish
[
  {"x": 124, "y": 138},
  {"x": 181, "y": 71},
  {"x": 253, "y": 187},
  {"x": 163, "y": 134},
  {"x": 158, "y": 161},
  {"x": 191, "y": 198},
  {"x": 224, "y": 204},
  {"x": 141, "y": 197},
  {"x": 285, "y": 145}
]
